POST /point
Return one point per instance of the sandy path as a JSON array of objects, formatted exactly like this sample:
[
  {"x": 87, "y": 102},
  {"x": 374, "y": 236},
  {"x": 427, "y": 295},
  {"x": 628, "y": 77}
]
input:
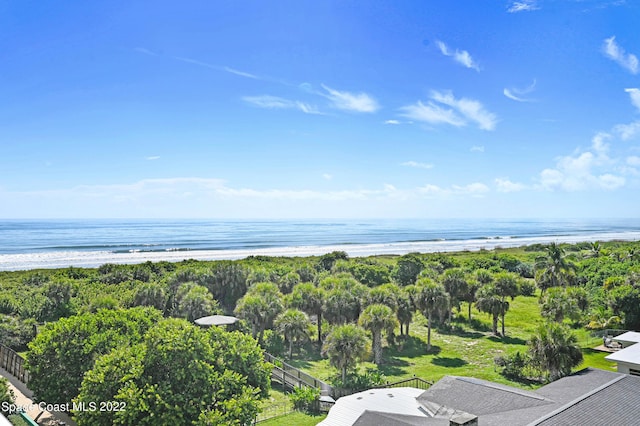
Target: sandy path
[{"x": 23, "y": 399}]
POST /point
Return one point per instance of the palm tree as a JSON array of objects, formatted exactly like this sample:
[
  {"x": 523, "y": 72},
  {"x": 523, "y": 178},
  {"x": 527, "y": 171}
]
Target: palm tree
[
  {"x": 455, "y": 283},
  {"x": 490, "y": 302},
  {"x": 405, "y": 312},
  {"x": 309, "y": 298},
  {"x": 346, "y": 345},
  {"x": 150, "y": 294},
  {"x": 194, "y": 301},
  {"x": 555, "y": 349},
  {"x": 377, "y": 318},
  {"x": 554, "y": 269},
  {"x": 557, "y": 304},
  {"x": 294, "y": 325},
  {"x": 432, "y": 300},
  {"x": 506, "y": 285},
  {"x": 260, "y": 306}
]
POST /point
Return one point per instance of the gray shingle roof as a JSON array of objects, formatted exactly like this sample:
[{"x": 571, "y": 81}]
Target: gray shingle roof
[
  {"x": 617, "y": 402},
  {"x": 479, "y": 396}
]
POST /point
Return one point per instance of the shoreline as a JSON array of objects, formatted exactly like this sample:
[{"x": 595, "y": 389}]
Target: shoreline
[{"x": 93, "y": 259}]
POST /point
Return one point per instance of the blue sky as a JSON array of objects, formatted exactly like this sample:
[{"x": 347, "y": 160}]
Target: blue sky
[{"x": 319, "y": 109}]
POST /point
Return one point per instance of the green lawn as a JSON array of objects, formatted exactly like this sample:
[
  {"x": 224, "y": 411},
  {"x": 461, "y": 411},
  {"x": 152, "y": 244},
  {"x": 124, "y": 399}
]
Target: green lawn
[
  {"x": 297, "y": 419},
  {"x": 466, "y": 349}
]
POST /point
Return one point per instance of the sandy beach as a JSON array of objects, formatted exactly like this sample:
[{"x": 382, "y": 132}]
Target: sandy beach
[{"x": 63, "y": 259}]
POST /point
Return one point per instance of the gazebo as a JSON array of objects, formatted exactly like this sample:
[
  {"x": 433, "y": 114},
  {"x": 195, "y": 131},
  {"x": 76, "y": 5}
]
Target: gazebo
[{"x": 216, "y": 320}]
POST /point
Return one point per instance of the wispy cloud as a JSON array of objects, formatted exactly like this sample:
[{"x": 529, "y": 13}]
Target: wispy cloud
[
  {"x": 476, "y": 189},
  {"x": 630, "y": 130},
  {"x": 347, "y": 101},
  {"x": 417, "y": 165},
  {"x": 327, "y": 176},
  {"x": 523, "y": 6},
  {"x": 152, "y": 158},
  {"x": 477, "y": 148},
  {"x": 145, "y": 51},
  {"x": 445, "y": 108},
  {"x": 392, "y": 122},
  {"x": 633, "y": 160},
  {"x": 616, "y": 53},
  {"x": 583, "y": 170},
  {"x": 516, "y": 94},
  {"x": 217, "y": 67},
  {"x": 275, "y": 102},
  {"x": 634, "y": 93},
  {"x": 506, "y": 185},
  {"x": 460, "y": 56}
]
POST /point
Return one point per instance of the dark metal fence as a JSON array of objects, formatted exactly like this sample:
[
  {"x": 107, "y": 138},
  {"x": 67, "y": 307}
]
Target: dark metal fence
[
  {"x": 274, "y": 410},
  {"x": 412, "y": 382},
  {"x": 13, "y": 363}
]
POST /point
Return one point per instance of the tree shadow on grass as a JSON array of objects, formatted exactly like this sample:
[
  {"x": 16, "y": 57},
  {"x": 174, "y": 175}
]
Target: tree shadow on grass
[
  {"x": 449, "y": 362},
  {"x": 508, "y": 340},
  {"x": 393, "y": 367},
  {"x": 412, "y": 347},
  {"x": 457, "y": 330}
]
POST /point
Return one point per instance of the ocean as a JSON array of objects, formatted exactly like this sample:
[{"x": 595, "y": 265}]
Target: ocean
[{"x": 30, "y": 244}]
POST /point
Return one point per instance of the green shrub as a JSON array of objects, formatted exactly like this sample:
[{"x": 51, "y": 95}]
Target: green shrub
[{"x": 305, "y": 399}]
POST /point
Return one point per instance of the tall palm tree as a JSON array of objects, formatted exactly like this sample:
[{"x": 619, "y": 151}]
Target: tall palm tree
[
  {"x": 310, "y": 299},
  {"x": 377, "y": 318},
  {"x": 455, "y": 283},
  {"x": 294, "y": 326},
  {"x": 555, "y": 349},
  {"x": 490, "y": 302},
  {"x": 346, "y": 345},
  {"x": 506, "y": 285},
  {"x": 432, "y": 300},
  {"x": 554, "y": 269},
  {"x": 260, "y": 306}
]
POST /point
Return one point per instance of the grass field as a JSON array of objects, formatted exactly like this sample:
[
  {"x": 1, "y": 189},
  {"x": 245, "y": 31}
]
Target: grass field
[{"x": 466, "y": 349}]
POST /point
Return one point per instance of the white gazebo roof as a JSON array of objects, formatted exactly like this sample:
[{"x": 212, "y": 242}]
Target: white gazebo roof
[
  {"x": 630, "y": 355},
  {"x": 216, "y": 320},
  {"x": 629, "y": 337}
]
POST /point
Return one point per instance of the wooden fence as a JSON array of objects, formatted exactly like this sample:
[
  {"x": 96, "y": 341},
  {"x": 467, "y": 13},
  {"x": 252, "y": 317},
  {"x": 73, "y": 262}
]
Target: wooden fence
[
  {"x": 292, "y": 377},
  {"x": 13, "y": 363}
]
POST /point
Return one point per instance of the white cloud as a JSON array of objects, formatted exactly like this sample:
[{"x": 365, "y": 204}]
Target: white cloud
[
  {"x": 633, "y": 160},
  {"x": 583, "y": 170},
  {"x": 477, "y": 148},
  {"x": 627, "y": 131},
  {"x": 505, "y": 185},
  {"x": 432, "y": 113},
  {"x": 275, "y": 102},
  {"x": 471, "y": 109},
  {"x": 240, "y": 73},
  {"x": 327, "y": 176},
  {"x": 392, "y": 122},
  {"x": 516, "y": 94},
  {"x": 153, "y": 157},
  {"x": 417, "y": 165},
  {"x": 217, "y": 67},
  {"x": 460, "y": 56},
  {"x": 357, "y": 102},
  {"x": 523, "y": 6},
  {"x": 634, "y": 93},
  {"x": 616, "y": 53},
  {"x": 475, "y": 189},
  {"x": 459, "y": 113}
]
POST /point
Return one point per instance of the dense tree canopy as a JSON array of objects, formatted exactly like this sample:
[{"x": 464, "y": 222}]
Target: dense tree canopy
[
  {"x": 178, "y": 374},
  {"x": 64, "y": 350}
]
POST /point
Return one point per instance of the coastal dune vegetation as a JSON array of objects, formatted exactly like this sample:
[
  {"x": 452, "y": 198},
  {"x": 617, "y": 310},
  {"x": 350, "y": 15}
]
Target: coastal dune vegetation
[{"x": 124, "y": 333}]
